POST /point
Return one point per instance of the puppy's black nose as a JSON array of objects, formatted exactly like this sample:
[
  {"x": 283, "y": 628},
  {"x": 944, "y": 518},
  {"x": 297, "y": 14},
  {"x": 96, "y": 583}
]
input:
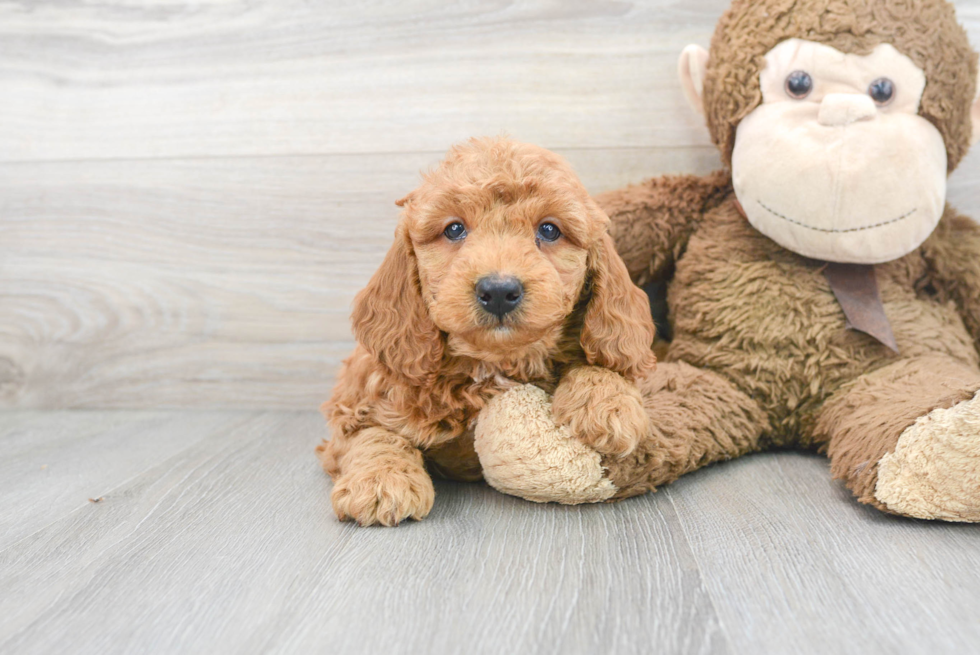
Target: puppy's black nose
[{"x": 499, "y": 295}]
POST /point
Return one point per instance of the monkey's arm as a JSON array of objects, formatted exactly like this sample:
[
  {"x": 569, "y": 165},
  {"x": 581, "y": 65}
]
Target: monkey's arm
[
  {"x": 652, "y": 221},
  {"x": 953, "y": 253}
]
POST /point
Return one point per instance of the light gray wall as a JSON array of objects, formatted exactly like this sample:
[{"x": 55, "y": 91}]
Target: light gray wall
[{"x": 191, "y": 194}]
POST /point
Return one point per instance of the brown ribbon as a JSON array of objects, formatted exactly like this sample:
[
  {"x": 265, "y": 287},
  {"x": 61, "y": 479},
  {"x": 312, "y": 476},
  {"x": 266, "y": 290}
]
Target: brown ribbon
[{"x": 856, "y": 288}]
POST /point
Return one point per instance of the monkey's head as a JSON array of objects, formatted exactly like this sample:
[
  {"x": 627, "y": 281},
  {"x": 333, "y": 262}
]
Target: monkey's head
[{"x": 839, "y": 119}]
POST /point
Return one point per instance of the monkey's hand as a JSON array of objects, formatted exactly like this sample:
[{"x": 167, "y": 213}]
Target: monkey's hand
[
  {"x": 653, "y": 220},
  {"x": 523, "y": 453}
]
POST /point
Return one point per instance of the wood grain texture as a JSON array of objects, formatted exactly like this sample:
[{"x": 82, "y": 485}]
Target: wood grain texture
[
  {"x": 54, "y": 462},
  {"x": 201, "y": 283},
  {"x": 211, "y": 283},
  {"x": 230, "y": 546},
  {"x": 192, "y": 193},
  {"x": 260, "y": 77},
  {"x": 118, "y": 79},
  {"x": 793, "y": 562}
]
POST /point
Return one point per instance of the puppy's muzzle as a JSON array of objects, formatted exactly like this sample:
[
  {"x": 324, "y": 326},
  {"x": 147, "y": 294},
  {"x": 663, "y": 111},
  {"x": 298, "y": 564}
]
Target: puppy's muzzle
[{"x": 499, "y": 295}]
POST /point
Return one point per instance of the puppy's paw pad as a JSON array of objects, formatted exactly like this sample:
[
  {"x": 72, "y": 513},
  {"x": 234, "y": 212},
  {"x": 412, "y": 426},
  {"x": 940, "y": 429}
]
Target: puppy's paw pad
[
  {"x": 934, "y": 472},
  {"x": 385, "y": 496}
]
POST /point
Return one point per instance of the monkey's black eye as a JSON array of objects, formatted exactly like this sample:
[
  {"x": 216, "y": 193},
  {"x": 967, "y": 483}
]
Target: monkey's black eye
[
  {"x": 882, "y": 90},
  {"x": 548, "y": 232},
  {"x": 799, "y": 84},
  {"x": 455, "y": 231}
]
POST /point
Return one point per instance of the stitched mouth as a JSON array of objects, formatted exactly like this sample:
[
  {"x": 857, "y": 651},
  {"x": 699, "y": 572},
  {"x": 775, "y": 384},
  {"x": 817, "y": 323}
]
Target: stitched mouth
[{"x": 829, "y": 231}]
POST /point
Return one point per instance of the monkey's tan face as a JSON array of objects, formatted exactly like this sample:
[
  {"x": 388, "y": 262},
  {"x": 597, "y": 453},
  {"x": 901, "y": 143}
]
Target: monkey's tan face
[{"x": 836, "y": 164}]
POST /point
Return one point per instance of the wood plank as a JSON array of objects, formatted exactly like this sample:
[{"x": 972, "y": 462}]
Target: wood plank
[
  {"x": 230, "y": 547},
  {"x": 794, "y": 563},
  {"x": 203, "y": 283},
  {"x": 108, "y": 80},
  {"x": 111, "y": 80},
  {"x": 217, "y": 283},
  {"x": 54, "y": 462}
]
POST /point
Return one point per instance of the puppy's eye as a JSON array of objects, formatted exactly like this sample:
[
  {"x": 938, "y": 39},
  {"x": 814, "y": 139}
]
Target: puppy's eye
[
  {"x": 882, "y": 91},
  {"x": 799, "y": 84},
  {"x": 548, "y": 232},
  {"x": 455, "y": 231}
]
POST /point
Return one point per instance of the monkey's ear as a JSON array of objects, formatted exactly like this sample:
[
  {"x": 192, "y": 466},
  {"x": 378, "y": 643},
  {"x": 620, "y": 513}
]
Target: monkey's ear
[
  {"x": 975, "y": 115},
  {"x": 691, "y": 67}
]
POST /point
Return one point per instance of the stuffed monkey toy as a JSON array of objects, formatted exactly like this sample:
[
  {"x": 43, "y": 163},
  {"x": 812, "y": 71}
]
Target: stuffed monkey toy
[{"x": 822, "y": 294}]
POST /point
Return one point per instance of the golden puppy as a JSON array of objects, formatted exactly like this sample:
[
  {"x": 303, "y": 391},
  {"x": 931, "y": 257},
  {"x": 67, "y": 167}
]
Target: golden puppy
[{"x": 501, "y": 273}]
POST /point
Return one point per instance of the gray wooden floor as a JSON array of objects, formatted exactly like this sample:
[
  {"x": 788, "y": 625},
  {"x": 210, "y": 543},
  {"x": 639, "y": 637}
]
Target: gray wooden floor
[{"x": 214, "y": 535}]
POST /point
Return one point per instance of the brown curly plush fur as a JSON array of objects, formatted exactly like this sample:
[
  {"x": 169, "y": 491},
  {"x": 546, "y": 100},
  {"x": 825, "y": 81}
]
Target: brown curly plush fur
[
  {"x": 926, "y": 31},
  {"x": 428, "y": 357},
  {"x": 777, "y": 365},
  {"x": 761, "y": 355}
]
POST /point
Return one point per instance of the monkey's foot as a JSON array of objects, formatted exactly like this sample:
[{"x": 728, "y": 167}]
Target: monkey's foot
[
  {"x": 934, "y": 472},
  {"x": 525, "y": 453}
]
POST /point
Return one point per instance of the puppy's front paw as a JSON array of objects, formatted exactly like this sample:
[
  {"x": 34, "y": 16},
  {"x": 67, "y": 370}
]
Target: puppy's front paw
[
  {"x": 602, "y": 409},
  {"x": 386, "y": 494}
]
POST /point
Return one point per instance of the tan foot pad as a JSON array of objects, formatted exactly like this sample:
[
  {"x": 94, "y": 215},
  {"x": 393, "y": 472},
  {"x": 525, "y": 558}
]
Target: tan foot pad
[
  {"x": 524, "y": 454},
  {"x": 934, "y": 472}
]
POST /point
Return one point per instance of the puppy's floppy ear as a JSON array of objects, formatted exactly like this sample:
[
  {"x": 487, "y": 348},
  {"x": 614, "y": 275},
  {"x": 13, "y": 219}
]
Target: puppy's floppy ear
[
  {"x": 618, "y": 331},
  {"x": 391, "y": 320}
]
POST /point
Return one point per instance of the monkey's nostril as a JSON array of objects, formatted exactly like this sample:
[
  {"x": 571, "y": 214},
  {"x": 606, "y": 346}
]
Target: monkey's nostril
[{"x": 842, "y": 109}]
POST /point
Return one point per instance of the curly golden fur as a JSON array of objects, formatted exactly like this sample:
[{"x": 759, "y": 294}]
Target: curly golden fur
[{"x": 429, "y": 356}]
